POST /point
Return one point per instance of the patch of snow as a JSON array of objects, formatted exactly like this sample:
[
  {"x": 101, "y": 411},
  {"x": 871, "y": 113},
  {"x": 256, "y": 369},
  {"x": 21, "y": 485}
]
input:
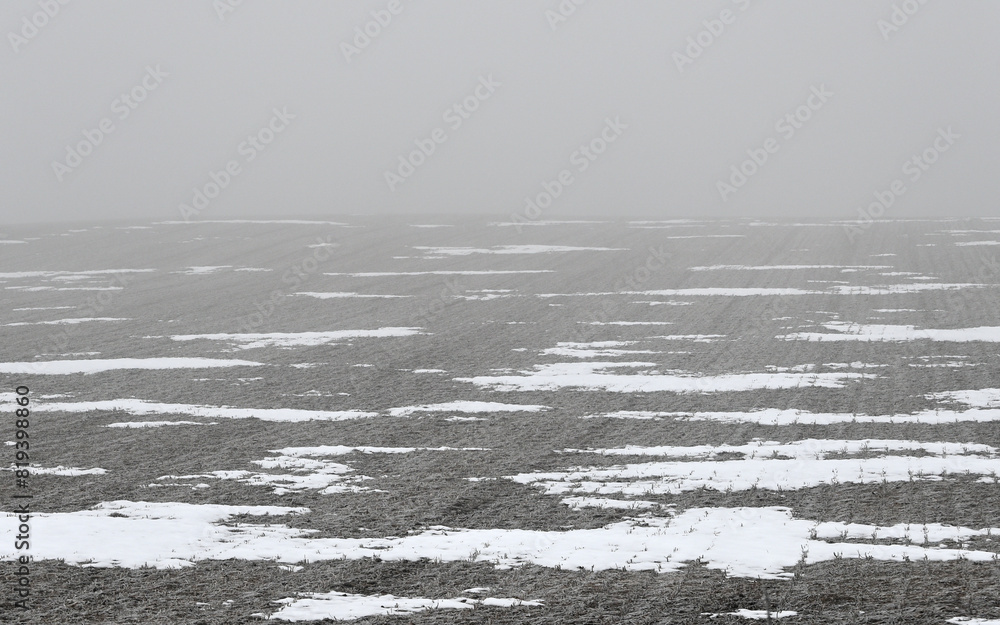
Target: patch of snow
[
  {"x": 466, "y": 407},
  {"x": 66, "y": 321},
  {"x": 744, "y": 542},
  {"x": 842, "y": 331},
  {"x": 514, "y": 249},
  {"x": 349, "y": 295},
  {"x": 152, "y": 424},
  {"x": 296, "y": 339},
  {"x": 142, "y": 407},
  {"x": 68, "y": 367},
  {"x": 591, "y": 376}
]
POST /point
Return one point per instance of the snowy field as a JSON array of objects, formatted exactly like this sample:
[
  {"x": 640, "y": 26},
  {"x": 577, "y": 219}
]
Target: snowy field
[{"x": 457, "y": 420}]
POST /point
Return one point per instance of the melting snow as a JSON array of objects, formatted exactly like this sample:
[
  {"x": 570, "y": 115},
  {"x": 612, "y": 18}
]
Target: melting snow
[
  {"x": 67, "y": 367},
  {"x": 379, "y": 274},
  {"x": 745, "y": 542},
  {"x": 757, "y": 615},
  {"x": 344, "y": 606},
  {"x": 200, "y": 271},
  {"x": 297, "y": 339},
  {"x": 793, "y": 417},
  {"x": 591, "y": 376},
  {"x": 515, "y": 249},
  {"x": 60, "y": 470},
  {"x": 466, "y": 406},
  {"x": 786, "y": 267},
  {"x": 152, "y": 424},
  {"x": 67, "y": 321},
  {"x": 892, "y": 333},
  {"x": 768, "y": 465},
  {"x": 354, "y": 295},
  {"x": 141, "y": 407}
]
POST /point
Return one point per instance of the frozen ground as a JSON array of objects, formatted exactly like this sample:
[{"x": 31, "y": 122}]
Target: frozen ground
[{"x": 477, "y": 421}]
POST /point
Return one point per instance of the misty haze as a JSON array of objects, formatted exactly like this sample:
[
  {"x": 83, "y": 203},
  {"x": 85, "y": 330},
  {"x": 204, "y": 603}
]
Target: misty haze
[{"x": 563, "y": 311}]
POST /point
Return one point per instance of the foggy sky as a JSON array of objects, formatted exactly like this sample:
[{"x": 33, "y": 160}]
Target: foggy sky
[{"x": 214, "y": 78}]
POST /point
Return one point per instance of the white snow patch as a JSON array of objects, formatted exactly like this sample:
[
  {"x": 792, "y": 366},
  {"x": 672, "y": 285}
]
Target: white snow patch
[
  {"x": 769, "y": 465},
  {"x": 786, "y": 267},
  {"x": 723, "y": 291},
  {"x": 296, "y": 339},
  {"x": 63, "y": 288},
  {"x": 514, "y": 249},
  {"x": 579, "y": 503},
  {"x": 200, "y": 271},
  {"x": 981, "y": 398},
  {"x": 299, "y": 222},
  {"x": 757, "y": 615},
  {"x": 809, "y": 448},
  {"x": 308, "y": 473},
  {"x": 697, "y": 338},
  {"x": 793, "y": 417},
  {"x": 67, "y": 321},
  {"x": 642, "y": 415},
  {"x": 745, "y": 542},
  {"x": 142, "y": 407},
  {"x": 466, "y": 407},
  {"x": 46, "y": 308},
  {"x": 543, "y": 222},
  {"x": 349, "y": 295},
  {"x": 379, "y": 274},
  {"x": 594, "y": 349},
  {"x": 842, "y": 331},
  {"x": 152, "y": 424},
  {"x": 67, "y": 367},
  {"x": 628, "y": 323},
  {"x": 85, "y": 274},
  {"x": 710, "y": 236},
  {"x": 591, "y": 376},
  {"x": 348, "y": 607},
  {"x": 60, "y": 470},
  {"x": 896, "y": 289}
]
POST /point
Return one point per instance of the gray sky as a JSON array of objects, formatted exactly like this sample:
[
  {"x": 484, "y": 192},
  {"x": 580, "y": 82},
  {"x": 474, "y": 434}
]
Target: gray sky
[{"x": 682, "y": 115}]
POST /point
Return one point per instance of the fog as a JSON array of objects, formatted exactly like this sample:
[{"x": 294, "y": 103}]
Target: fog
[{"x": 200, "y": 110}]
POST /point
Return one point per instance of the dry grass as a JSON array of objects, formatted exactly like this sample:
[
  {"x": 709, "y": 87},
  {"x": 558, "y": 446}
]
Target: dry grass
[{"x": 471, "y": 338}]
